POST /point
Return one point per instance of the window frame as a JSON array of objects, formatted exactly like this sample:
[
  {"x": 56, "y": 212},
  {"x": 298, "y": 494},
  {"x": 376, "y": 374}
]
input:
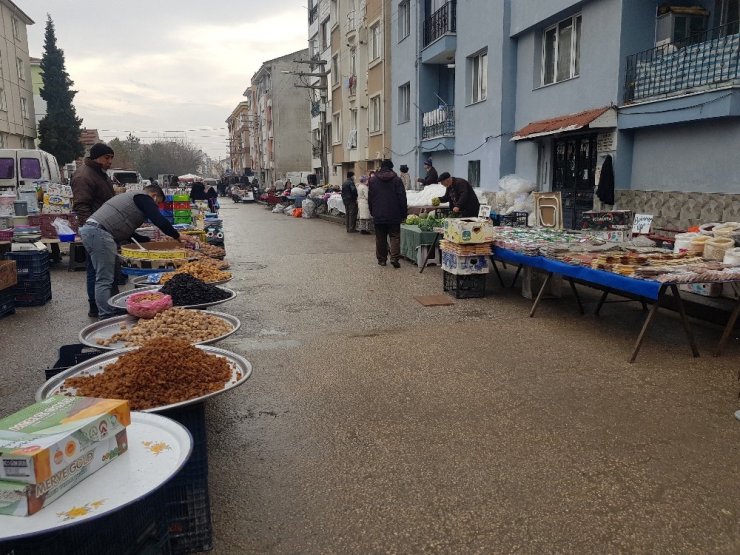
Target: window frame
[
  {"x": 335, "y": 73},
  {"x": 375, "y": 44},
  {"x": 325, "y": 34},
  {"x": 16, "y": 28},
  {"x": 478, "y": 83},
  {"x": 24, "y": 108},
  {"x": 404, "y": 103},
  {"x": 474, "y": 165},
  {"x": 404, "y": 23},
  {"x": 3, "y": 100},
  {"x": 336, "y": 128},
  {"x": 375, "y": 106},
  {"x": 21, "y": 69},
  {"x": 574, "y": 50}
]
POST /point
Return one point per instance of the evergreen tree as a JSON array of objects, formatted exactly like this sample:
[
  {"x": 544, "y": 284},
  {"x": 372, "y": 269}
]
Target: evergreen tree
[{"x": 59, "y": 130}]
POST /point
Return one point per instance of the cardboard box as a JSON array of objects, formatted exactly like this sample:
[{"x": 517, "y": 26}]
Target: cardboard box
[
  {"x": 43, "y": 439},
  {"x": 615, "y": 236},
  {"x": 464, "y": 265},
  {"x": 21, "y": 499},
  {"x": 703, "y": 289},
  {"x": 468, "y": 230},
  {"x": 8, "y": 274},
  {"x": 608, "y": 220}
]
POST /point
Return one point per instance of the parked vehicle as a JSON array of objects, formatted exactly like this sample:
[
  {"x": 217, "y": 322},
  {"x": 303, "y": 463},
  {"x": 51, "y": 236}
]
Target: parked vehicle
[
  {"x": 27, "y": 167},
  {"x": 131, "y": 179}
]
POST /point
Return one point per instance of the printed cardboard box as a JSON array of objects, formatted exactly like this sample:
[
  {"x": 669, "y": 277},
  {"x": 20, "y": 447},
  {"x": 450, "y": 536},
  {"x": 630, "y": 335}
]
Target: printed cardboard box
[
  {"x": 614, "y": 236},
  {"x": 464, "y": 265},
  {"x": 8, "y": 274},
  {"x": 43, "y": 439},
  {"x": 607, "y": 220},
  {"x": 21, "y": 499},
  {"x": 468, "y": 230}
]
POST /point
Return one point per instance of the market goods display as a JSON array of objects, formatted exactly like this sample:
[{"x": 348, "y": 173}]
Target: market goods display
[
  {"x": 211, "y": 251},
  {"x": 202, "y": 269},
  {"x": 429, "y": 222},
  {"x": 185, "y": 289},
  {"x": 148, "y": 304},
  {"x": 192, "y": 326},
  {"x": 161, "y": 372}
]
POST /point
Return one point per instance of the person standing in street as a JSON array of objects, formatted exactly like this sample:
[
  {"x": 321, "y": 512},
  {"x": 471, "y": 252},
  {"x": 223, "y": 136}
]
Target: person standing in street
[
  {"x": 405, "y": 177},
  {"x": 387, "y": 203},
  {"x": 349, "y": 197},
  {"x": 461, "y": 196},
  {"x": 431, "y": 177},
  {"x": 114, "y": 223},
  {"x": 91, "y": 188},
  {"x": 364, "y": 220}
]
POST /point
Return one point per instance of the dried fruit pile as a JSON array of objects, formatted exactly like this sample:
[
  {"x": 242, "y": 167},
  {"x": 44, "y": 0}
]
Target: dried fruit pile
[
  {"x": 191, "y": 326},
  {"x": 188, "y": 290},
  {"x": 206, "y": 270},
  {"x": 159, "y": 373}
]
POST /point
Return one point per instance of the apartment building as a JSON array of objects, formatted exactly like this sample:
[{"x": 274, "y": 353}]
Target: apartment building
[
  {"x": 548, "y": 90},
  {"x": 278, "y": 119},
  {"x": 321, "y": 17},
  {"x": 238, "y": 124},
  {"x": 356, "y": 121},
  {"x": 17, "y": 116}
]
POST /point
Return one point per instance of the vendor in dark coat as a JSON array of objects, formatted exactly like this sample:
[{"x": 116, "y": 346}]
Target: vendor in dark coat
[
  {"x": 431, "y": 174},
  {"x": 198, "y": 191},
  {"x": 386, "y": 199},
  {"x": 461, "y": 196}
]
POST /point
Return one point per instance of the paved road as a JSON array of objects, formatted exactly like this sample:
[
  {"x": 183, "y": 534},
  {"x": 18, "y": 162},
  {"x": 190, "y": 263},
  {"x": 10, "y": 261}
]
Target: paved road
[{"x": 375, "y": 425}]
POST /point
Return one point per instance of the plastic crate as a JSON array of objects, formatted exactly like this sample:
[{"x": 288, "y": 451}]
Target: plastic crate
[
  {"x": 187, "y": 493},
  {"x": 30, "y": 264},
  {"x": 32, "y": 293},
  {"x": 466, "y": 286},
  {"x": 183, "y": 220},
  {"x": 69, "y": 356},
  {"x": 182, "y": 205},
  {"x": 187, "y": 213},
  {"x": 167, "y": 213},
  {"x": 6, "y": 234},
  {"x": 7, "y": 302},
  {"x": 44, "y": 221},
  {"x": 515, "y": 219}
]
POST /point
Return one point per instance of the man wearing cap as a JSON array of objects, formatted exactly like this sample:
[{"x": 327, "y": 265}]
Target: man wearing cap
[
  {"x": 349, "y": 197},
  {"x": 386, "y": 199},
  {"x": 431, "y": 174},
  {"x": 91, "y": 188},
  {"x": 461, "y": 196},
  {"x": 114, "y": 223},
  {"x": 405, "y": 177}
]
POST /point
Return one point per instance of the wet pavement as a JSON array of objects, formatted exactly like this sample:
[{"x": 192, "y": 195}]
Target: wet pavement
[{"x": 375, "y": 425}]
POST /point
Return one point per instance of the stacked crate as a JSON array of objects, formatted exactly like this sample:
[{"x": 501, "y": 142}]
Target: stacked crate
[
  {"x": 466, "y": 248},
  {"x": 34, "y": 280},
  {"x": 8, "y": 279},
  {"x": 167, "y": 208},
  {"x": 182, "y": 211}
]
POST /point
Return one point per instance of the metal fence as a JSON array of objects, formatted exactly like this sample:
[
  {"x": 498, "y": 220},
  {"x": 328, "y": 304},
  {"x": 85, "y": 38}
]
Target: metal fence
[
  {"x": 438, "y": 123},
  {"x": 440, "y": 23},
  {"x": 701, "y": 60}
]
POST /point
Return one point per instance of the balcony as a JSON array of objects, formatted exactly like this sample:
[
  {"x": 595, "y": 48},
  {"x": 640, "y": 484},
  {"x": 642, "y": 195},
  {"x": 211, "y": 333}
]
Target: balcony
[
  {"x": 316, "y": 151},
  {"x": 701, "y": 62},
  {"x": 438, "y": 123},
  {"x": 440, "y": 23},
  {"x": 313, "y": 14},
  {"x": 352, "y": 22}
]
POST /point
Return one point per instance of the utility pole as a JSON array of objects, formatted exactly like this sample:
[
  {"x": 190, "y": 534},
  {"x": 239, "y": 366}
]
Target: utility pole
[{"x": 323, "y": 88}]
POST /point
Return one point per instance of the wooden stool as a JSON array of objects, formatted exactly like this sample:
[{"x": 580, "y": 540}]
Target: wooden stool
[{"x": 77, "y": 257}]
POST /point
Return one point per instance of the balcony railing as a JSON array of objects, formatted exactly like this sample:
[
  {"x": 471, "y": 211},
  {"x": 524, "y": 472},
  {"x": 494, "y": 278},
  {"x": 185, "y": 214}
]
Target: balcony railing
[
  {"x": 702, "y": 60},
  {"x": 313, "y": 14},
  {"x": 440, "y": 23},
  {"x": 438, "y": 123}
]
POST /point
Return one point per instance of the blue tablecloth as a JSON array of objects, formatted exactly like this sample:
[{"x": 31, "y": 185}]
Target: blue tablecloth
[{"x": 640, "y": 287}]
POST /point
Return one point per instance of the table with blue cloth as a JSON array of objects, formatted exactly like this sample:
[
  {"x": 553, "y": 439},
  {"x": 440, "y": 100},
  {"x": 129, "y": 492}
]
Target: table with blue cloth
[
  {"x": 412, "y": 237},
  {"x": 642, "y": 290}
]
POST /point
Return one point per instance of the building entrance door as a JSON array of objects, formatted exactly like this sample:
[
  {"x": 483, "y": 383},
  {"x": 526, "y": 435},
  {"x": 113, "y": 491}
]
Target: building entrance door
[{"x": 574, "y": 168}]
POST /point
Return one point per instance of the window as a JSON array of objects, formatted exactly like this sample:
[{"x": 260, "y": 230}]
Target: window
[
  {"x": 3, "y": 101},
  {"x": 375, "y": 114},
  {"x": 335, "y": 70},
  {"x": 561, "y": 51},
  {"x": 404, "y": 20},
  {"x": 353, "y": 118},
  {"x": 16, "y": 29},
  {"x": 353, "y": 61},
  {"x": 336, "y": 127},
  {"x": 474, "y": 173},
  {"x": 3, "y": 144},
  {"x": 478, "y": 77},
  {"x": 325, "y": 34},
  {"x": 30, "y": 168},
  {"x": 19, "y": 67},
  {"x": 7, "y": 167},
  {"x": 333, "y": 10},
  {"x": 375, "y": 47},
  {"x": 24, "y": 107},
  {"x": 404, "y": 103}
]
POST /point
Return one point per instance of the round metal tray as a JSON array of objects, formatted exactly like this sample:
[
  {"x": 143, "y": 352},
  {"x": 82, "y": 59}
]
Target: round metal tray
[
  {"x": 141, "y": 281},
  {"x": 119, "y": 301},
  {"x": 241, "y": 370},
  {"x": 106, "y": 328}
]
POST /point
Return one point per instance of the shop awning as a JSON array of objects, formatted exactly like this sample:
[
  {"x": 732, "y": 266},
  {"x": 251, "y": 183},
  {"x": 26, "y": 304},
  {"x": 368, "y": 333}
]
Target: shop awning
[{"x": 596, "y": 118}]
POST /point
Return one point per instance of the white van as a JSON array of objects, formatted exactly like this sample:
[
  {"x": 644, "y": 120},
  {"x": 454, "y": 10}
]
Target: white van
[
  {"x": 26, "y": 167},
  {"x": 131, "y": 179}
]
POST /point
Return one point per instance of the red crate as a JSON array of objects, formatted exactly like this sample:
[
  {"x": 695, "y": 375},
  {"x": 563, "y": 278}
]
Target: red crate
[
  {"x": 179, "y": 205},
  {"x": 47, "y": 229}
]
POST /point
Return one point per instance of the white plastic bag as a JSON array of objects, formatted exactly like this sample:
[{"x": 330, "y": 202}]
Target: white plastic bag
[
  {"x": 515, "y": 184},
  {"x": 309, "y": 209},
  {"x": 62, "y": 227}
]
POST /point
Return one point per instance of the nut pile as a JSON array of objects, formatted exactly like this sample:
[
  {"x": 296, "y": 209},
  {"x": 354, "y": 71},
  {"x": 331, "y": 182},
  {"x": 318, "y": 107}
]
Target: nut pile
[
  {"x": 191, "y": 326},
  {"x": 188, "y": 290},
  {"x": 205, "y": 270},
  {"x": 211, "y": 251},
  {"x": 159, "y": 373}
]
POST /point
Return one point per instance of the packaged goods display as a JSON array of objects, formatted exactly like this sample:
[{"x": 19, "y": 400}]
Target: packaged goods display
[
  {"x": 185, "y": 289},
  {"x": 191, "y": 326},
  {"x": 204, "y": 270},
  {"x": 160, "y": 372}
]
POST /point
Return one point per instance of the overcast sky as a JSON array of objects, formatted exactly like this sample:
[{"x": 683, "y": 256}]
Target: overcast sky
[{"x": 150, "y": 66}]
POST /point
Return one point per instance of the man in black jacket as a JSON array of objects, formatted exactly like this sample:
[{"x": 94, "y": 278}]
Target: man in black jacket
[
  {"x": 349, "y": 196},
  {"x": 387, "y": 202},
  {"x": 430, "y": 178},
  {"x": 461, "y": 196}
]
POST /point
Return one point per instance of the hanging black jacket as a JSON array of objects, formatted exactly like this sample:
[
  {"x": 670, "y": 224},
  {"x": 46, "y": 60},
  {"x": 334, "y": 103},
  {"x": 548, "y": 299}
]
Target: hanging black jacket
[{"x": 605, "y": 190}]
